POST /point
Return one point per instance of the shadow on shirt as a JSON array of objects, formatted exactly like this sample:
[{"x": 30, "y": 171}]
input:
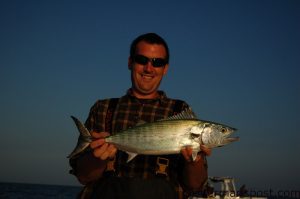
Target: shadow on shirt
[{"x": 133, "y": 188}]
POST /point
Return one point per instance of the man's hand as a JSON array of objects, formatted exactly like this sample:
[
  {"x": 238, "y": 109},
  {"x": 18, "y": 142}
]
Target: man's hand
[
  {"x": 101, "y": 149},
  {"x": 90, "y": 166},
  {"x": 187, "y": 153},
  {"x": 195, "y": 172}
]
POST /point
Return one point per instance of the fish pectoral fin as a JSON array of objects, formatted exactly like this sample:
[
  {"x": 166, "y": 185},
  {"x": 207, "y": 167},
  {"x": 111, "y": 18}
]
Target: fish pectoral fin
[
  {"x": 130, "y": 156},
  {"x": 194, "y": 154}
]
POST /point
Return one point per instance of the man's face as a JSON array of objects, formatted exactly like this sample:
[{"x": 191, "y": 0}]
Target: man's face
[{"x": 146, "y": 78}]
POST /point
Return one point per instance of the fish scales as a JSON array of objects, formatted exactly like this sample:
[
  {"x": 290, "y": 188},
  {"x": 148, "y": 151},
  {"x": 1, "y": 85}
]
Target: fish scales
[{"x": 160, "y": 137}]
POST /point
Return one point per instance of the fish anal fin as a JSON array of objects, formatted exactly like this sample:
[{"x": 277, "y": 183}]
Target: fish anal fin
[{"x": 130, "y": 156}]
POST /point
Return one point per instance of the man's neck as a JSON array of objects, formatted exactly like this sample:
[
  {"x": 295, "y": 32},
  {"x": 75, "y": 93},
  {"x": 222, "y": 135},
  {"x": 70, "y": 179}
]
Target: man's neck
[{"x": 138, "y": 95}]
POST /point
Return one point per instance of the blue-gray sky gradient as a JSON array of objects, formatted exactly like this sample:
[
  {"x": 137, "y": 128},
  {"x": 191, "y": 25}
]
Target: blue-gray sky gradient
[{"x": 234, "y": 62}]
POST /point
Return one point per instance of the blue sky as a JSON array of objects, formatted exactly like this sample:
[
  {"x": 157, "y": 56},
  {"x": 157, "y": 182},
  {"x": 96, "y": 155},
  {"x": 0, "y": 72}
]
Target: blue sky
[{"x": 234, "y": 62}]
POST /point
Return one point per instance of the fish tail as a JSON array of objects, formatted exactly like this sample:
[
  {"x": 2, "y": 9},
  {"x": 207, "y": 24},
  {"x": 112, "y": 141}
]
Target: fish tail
[{"x": 84, "y": 138}]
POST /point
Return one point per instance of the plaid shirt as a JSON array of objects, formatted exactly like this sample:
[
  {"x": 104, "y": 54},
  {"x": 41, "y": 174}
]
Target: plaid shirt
[{"x": 129, "y": 112}]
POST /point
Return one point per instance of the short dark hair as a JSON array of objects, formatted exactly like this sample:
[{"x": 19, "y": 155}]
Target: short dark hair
[{"x": 151, "y": 38}]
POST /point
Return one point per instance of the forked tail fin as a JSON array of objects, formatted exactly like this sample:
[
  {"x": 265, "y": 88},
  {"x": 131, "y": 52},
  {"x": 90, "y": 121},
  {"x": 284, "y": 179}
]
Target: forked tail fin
[{"x": 84, "y": 139}]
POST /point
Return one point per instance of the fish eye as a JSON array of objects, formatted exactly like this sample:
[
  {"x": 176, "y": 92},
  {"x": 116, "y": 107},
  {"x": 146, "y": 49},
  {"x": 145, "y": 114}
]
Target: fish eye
[{"x": 223, "y": 130}]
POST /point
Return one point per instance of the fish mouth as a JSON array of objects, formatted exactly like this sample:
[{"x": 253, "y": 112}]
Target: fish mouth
[{"x": 232, "y": 139}]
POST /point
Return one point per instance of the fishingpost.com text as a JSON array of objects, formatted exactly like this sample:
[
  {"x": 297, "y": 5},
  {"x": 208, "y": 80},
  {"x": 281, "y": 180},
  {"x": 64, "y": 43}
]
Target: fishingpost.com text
[{"x": 268, "y": 193}]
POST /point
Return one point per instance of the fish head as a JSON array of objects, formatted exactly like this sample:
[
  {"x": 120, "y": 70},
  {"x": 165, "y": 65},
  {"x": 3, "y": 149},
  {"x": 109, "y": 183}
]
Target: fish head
[{"x": 214, "y": 135}]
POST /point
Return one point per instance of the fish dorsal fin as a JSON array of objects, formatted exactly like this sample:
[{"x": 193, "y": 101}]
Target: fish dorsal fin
[{"x": 185, "y": 114}]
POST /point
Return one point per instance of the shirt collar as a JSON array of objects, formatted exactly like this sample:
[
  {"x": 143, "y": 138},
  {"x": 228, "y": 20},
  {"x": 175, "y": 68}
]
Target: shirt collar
[{"x": 161, "y": 96}]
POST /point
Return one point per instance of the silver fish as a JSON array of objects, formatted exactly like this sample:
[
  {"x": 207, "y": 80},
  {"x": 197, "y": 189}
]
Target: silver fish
[{"x": 167, "y": 136}]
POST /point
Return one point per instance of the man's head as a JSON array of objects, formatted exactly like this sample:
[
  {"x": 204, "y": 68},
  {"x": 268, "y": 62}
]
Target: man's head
[{"x": 148, "y": 62}]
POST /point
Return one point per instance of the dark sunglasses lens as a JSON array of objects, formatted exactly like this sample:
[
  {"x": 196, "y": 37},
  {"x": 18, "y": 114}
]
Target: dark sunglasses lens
[
  {"x": 141, "y": 59},
  {"x": 158, "y": 62}
]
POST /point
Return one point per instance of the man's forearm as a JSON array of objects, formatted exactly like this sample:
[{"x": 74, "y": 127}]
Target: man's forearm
[
  {"x": 89, "y": 168},
  {"x": 195, "y": 174}
]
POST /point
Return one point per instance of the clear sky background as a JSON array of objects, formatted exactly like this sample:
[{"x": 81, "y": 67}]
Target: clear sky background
[{"x": 234, "y": 62}]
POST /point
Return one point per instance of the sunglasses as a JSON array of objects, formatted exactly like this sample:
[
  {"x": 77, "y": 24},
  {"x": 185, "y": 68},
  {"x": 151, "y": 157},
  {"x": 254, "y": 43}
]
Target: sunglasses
[{"x": 156, "y": 62}]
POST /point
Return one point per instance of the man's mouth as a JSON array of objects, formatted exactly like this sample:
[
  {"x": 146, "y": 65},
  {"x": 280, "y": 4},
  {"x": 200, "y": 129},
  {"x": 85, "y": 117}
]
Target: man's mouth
[{"x": 147, "y": 77}]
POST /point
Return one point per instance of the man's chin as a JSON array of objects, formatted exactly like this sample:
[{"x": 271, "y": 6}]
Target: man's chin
[{"x": 145, "y": 91}]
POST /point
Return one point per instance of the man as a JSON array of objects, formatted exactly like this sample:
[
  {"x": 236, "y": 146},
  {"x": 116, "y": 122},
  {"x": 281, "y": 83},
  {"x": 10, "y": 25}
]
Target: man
[{"x": 104, "y": 168}]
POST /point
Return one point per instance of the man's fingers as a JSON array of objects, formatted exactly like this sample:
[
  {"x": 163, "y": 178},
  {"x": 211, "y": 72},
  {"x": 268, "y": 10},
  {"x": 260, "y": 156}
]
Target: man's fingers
[
  {"x": 113, "y": 151},
  {"x": 187, "y": 153},
  {"x": 101, "y": 149},
  {"x": 109, "y": 152},
  {"x": 97, "y": 143},
  {"x": 105, "y": 151},
  {"x": 99, "y": 139},
  {"x": 98, "y": 152},
  {"x": 99, "y": 134},
  {"x": 206, "y": 150},
  {"x": 184, "y": 153}
]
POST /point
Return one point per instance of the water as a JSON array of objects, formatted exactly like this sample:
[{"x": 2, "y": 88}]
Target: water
[{"x": 37, "y": 191}]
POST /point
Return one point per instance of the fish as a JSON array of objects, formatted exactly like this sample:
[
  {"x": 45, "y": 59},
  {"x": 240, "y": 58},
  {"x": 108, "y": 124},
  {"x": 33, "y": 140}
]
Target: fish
[{"x": 163, "y": 137}]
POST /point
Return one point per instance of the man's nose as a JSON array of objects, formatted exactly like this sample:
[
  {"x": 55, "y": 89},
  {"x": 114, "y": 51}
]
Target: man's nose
[{"x": 148, "y": 67}]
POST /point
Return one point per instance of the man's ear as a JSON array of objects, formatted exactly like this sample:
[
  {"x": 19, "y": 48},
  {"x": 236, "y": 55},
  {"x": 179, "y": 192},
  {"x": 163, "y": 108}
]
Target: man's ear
[
  {"x": 130, "y": 63},
  {"x": 166, "y": 69}
]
